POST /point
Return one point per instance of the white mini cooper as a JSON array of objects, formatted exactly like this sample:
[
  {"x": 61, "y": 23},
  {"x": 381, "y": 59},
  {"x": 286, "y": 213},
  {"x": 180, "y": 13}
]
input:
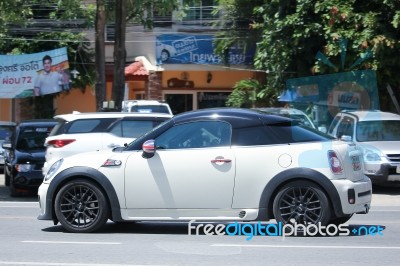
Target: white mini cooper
[{"x": 214, "y": 164}]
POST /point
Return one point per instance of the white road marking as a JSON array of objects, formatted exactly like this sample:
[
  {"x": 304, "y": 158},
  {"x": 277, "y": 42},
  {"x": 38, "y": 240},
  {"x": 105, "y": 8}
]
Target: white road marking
[
  {"x": 31, "y": 263},
  {"x": 72, "y": 242},
  {"x": 292, "y": 246}
]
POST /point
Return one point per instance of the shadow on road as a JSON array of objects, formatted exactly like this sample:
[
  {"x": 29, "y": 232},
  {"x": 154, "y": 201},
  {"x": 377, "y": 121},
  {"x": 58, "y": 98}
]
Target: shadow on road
[
  {"x": 5, "y": 195},
  {"x": 181, "y": 228},
  {"x": 386, "y": 190}
]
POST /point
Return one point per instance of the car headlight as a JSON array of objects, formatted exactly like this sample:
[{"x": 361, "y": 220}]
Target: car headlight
[
  {"x": 23, "y": 167},
  {"x": 53, "y": 169},
  {"x": 372, "y": 155}
]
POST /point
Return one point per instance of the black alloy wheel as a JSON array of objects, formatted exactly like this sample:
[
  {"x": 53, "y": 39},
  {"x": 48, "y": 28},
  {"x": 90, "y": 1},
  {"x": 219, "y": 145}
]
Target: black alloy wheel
[
  {"x": 81, "y": 206},
  {"x": 301, "y": 202}
]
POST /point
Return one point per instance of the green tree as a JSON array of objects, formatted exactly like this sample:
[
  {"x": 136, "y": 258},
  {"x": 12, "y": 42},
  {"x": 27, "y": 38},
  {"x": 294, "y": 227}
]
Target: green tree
[
  {"x": 19, "y": 34},
  {"x": 128, "y": 11},
  {"x": 294, "y": 31}
]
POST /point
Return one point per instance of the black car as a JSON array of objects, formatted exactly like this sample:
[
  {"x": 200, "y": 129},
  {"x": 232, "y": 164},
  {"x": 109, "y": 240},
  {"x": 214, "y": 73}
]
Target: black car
[{"x": 26, "y": 156}]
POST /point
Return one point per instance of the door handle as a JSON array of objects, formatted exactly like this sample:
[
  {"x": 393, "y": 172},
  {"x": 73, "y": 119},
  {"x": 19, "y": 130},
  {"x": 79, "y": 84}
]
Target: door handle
[{"x": 221, "y": 160}]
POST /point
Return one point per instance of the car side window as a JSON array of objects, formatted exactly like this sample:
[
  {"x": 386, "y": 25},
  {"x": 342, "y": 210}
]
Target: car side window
[
  {"x": 88, "y": 125},
  {"x": 200, "y": 134},
  {"x": 131, "y": 129},
  {"x": 251, "y": 136},
  {"x": 346, "y": 127}
]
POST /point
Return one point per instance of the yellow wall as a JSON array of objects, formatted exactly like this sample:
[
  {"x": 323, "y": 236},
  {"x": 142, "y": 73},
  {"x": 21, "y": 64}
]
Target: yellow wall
[
  {"x": 220, "y": 79},
  {"x": 75, "y": 100},
  {"x": 5, "y": 109}
]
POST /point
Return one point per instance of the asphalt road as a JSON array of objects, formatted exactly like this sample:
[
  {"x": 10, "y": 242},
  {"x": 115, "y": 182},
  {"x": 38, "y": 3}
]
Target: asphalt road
[{"x": 24, "y": 240}]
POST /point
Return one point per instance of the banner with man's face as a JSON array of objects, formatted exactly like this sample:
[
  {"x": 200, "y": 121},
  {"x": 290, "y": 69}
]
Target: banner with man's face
[{"x": 35, "y": 74}]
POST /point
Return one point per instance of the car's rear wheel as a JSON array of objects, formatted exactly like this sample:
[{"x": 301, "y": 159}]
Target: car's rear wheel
[
  {"x": 301, "y": 202},
  {"x": 81, "y": 206}
]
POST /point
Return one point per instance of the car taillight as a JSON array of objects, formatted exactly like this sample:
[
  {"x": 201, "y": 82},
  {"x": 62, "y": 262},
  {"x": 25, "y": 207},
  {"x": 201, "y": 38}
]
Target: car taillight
[
  {"x": 59, "y": 143},
  {"x": 334, "y": 163}
]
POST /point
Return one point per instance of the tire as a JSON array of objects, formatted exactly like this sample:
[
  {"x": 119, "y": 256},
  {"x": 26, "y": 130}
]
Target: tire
[
  {"x": 13, "y": 190},
  {"x": 6, "y": 178},
  {"x": 301, "y": 202},
  {"x": 340, "y": 220},
  {"x": 81, "y": 206}
]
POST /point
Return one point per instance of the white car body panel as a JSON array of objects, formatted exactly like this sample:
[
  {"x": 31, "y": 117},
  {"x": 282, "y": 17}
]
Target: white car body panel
[{"x": 178, "y": 179}]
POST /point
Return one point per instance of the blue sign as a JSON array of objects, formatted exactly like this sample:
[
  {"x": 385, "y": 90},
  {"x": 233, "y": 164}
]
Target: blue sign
[{"x": 196, "y": 49}]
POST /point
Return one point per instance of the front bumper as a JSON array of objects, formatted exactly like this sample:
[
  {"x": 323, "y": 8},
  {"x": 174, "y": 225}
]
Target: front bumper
[
  {"x": 45, "y": 213},
  {"x": 384, "y": 174},
  {"x": 30, "y": 180},
  {"x": 360, "y": 191}
]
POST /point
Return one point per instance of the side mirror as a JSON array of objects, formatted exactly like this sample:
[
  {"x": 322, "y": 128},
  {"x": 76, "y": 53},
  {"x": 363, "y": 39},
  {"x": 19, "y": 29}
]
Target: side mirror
[
  {"x": 6, "y": 144},
  {"x": 149, "y": 149}
]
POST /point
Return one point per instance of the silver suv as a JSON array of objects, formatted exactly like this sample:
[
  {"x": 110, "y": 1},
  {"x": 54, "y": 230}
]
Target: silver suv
[{"x": 378, "y": 134}]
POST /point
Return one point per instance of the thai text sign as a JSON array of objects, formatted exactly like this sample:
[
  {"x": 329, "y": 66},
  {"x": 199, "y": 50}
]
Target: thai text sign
[{"x": 35, "y": 74}]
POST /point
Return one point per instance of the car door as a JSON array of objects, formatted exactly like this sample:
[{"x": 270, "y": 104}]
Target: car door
[{"x": 193, "y": 167}]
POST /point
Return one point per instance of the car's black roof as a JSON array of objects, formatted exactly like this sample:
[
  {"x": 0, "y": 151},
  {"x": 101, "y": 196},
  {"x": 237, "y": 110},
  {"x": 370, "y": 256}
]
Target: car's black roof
[
  {"x": 38, "y": 122},
  {"x": 236, "y": 116}
]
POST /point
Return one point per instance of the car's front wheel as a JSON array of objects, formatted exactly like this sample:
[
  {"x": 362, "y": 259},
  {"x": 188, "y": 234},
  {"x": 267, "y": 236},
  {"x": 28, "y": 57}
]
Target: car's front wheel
[
  {"x": 301, "y": 202},
  {"x": 81, "y": 206}
]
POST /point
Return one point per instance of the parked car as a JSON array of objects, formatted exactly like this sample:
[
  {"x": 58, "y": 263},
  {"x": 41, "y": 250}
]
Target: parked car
[
  {"x": 378, "y": 134},
  {"x": 146, "y": 106},
  {"x": 83, "y": 132},
  {"x": 25, "y": 156},
  {"x": 6, "y": 129},
  {"x": 292, "y": 113},
  {"x": 211, "y": 164}
]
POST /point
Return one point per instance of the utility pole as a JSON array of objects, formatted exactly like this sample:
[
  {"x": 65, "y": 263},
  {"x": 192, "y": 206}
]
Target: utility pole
[
  {"x": 118, "y": 87},
  {"x": 100, "y": 54}
]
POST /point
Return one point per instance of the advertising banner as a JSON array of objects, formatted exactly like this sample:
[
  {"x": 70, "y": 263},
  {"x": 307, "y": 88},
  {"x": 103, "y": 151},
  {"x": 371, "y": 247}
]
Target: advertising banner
[
  {"x": 196, "y": 49},
  {"x": 347, "y": 90},
  {"x": 35, "y": 74}
]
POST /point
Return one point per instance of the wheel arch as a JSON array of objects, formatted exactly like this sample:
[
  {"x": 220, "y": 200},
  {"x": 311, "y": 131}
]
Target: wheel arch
[
  {"x": 296, "y": 174},
  {"x": 81, "y": 172}
]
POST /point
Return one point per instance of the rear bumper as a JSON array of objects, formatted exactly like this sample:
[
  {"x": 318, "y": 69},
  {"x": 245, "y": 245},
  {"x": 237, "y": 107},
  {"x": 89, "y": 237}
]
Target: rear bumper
[{"x": 360, "y": 191}]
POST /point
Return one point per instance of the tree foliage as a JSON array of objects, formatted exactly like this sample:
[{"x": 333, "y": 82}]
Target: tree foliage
[
  {"x": 294, "y": 31},
  {"x": 20, "y": 34}
]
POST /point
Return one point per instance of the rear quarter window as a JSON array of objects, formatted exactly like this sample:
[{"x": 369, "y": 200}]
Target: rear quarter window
[
  {"x": 88, "y": 125},
  {"x": 276, "y": 134},
  {"x": 132, "y": 129}
]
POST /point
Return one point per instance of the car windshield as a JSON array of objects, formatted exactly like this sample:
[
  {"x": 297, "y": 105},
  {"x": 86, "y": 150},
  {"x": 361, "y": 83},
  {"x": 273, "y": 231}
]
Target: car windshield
[
  {"x": 382, "y": 130},
  {"x": 302, "y": 120},
  {"x": 150, "y": 109},
  {"x": 32, "y": 138},
  {"x": 5, "y": 132}
]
